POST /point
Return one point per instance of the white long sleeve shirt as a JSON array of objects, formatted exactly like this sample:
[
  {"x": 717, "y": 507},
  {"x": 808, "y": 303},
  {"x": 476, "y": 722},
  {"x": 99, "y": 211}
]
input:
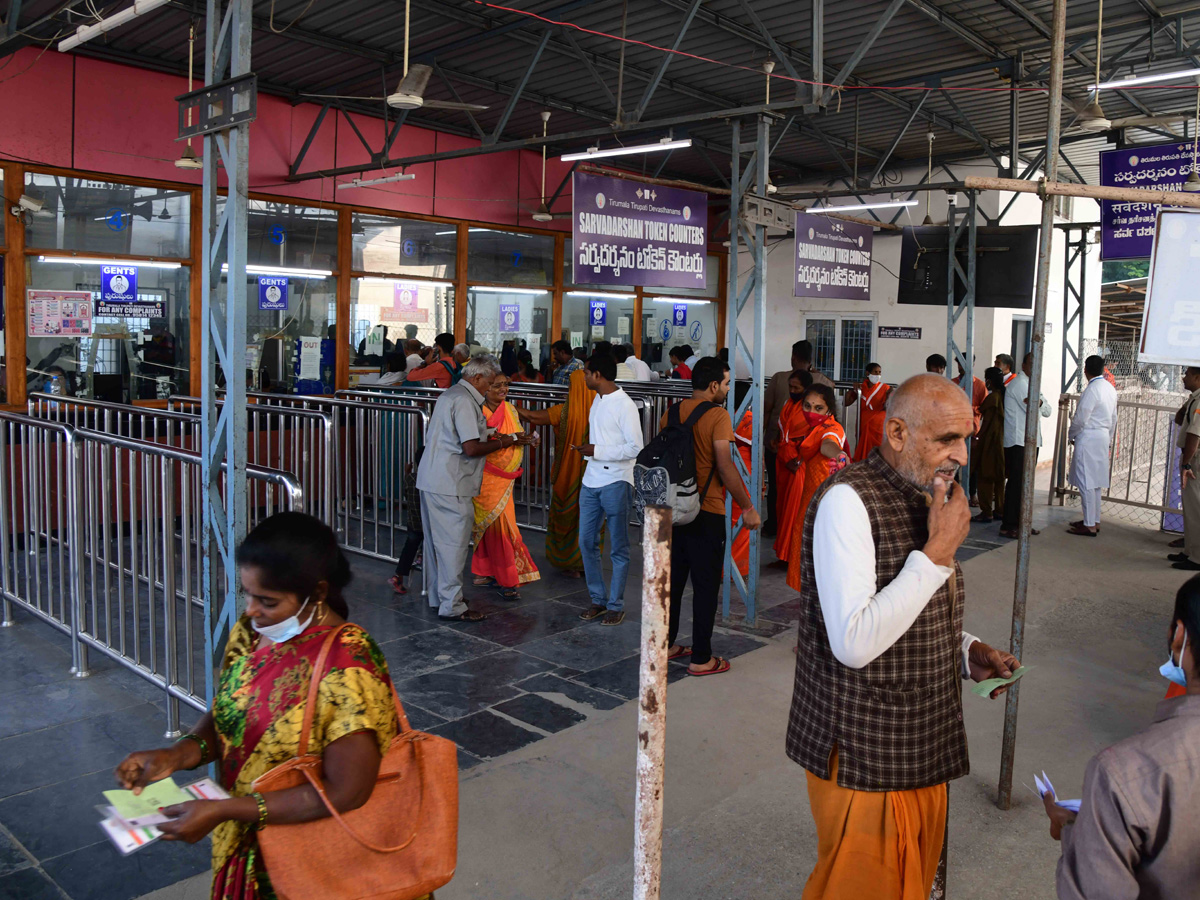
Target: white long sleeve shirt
[
  {"x": 1015, "y": 393},
  {"x": 615, "y": 430},
  {"x": 641, "y": 371},
  {"x": 863, "y": 622}
]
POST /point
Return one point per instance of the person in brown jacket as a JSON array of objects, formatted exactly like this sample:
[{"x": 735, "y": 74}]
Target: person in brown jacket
[{"x": 988, "y": 460}]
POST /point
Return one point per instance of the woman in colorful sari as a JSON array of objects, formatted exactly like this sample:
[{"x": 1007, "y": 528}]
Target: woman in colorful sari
[
  {"x": 293, "y": 574},
  {"x": 501, "y": 557},
  {"x": 823, "y": 454},
  {"x": 570, "y": 421},
  {"x": 743, "y": 437},
  {"x": 789, "y": 467}
]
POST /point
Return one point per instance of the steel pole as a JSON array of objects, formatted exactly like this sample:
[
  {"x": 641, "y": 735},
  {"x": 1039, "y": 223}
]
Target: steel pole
[
  {"x": 1032, "y": 424},
  {"x": 652, "y": 705}
]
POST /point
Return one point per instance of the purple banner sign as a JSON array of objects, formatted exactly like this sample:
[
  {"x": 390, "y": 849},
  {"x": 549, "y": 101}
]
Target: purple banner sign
[
  {"x": 833, "y": 258},
  {"x": 627, "y": 233},
  {"x": 1127, "y": 229}
]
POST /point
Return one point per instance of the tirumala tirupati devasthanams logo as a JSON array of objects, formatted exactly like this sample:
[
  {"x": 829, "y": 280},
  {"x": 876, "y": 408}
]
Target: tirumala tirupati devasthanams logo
[{"x": 600, "y": 201}]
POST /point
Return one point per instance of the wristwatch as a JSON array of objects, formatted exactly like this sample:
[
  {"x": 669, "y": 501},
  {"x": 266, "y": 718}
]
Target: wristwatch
[{"x": 1187, "y": 467}]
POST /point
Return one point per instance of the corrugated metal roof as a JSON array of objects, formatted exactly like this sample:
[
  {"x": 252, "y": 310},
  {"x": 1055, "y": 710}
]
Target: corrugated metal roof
[{"x": 352, "y": 48}]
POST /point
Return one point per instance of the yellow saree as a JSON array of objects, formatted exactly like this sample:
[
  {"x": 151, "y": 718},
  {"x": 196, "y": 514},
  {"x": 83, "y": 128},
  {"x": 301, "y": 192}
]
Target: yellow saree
[
  {"x": 570, "y": 421},
  {"x": 500, "y": 553}
]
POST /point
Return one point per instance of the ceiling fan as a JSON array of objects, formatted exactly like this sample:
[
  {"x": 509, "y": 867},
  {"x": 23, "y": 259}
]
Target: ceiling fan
[
  {"x": 410, "y": 93},
  {"x": 542, "y": 212}
]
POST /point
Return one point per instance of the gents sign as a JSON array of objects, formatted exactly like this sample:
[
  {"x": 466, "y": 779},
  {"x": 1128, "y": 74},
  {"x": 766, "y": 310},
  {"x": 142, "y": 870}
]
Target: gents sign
[
  {"x": 272, "y": 292},
  {"x": 1127, "y": 229},
  {"x": 119, "y": 295},
  {"x": 626, "y": 233},
  {"x": 833, "y": 258}
]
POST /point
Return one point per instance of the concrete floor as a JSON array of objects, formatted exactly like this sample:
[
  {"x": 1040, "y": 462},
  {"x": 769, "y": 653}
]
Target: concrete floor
[{"x": 555, "y": 819}]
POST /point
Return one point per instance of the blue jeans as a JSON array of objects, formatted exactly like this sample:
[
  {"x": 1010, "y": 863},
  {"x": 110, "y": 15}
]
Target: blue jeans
[{"x": 596, "y": 505}]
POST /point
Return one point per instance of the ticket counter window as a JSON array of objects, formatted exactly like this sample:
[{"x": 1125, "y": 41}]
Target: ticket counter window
[
  {"x": 389, "y": 245},
  {"x": 500, "y": 319},
  {"x": 510, "y": 257},
  {"x": 591, "y": 316},
  {"x": 387, "y": 312},
  {"x": 674, "y": 321},
  {"x": 106, "y": 329},
  {"x": 290, "y": 333}
]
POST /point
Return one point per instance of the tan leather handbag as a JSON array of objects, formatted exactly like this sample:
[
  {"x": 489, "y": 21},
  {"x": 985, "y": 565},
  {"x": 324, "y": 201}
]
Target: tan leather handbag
[{"x": 400, "y": 845}]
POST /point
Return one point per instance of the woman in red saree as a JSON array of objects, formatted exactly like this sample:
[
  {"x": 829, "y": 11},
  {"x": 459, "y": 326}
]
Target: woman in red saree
[
  {"x": 789, "y": 467},
  {"x": 872, "y": 396},
  {"x": 501, "y": 556},
  {"x": 823, "y": 455},
  {"x": 293, "y": 574}
]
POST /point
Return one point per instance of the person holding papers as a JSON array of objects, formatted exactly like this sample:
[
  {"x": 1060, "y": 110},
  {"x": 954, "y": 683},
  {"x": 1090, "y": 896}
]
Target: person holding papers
[
  {"x": 1136, "y": 834},
  {"x": 876, "y": 716},
  {"x": 293, "y": 574}
]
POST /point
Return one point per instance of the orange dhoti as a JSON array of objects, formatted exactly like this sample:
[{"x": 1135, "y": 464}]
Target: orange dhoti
[
  {"x": 817, "y": 467},
  {"x": 793, "y": 428},
  {"x": 874, "y": 844},
  {"x": 871, "y": 414}
]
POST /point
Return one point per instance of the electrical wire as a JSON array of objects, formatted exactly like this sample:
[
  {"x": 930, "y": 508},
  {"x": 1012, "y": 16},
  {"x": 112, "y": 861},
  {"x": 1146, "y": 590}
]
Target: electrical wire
[{"x": 271, "y": 17}]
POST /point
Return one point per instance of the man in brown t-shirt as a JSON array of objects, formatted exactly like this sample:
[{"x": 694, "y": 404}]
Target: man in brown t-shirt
[{"x": 698, "y": 548}]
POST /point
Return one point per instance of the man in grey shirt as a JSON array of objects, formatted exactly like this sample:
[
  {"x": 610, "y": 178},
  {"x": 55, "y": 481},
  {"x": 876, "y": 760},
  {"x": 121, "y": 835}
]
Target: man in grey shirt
[
  {"x": 449, "y": 477},
  {"x": 1137, "y": 834}
]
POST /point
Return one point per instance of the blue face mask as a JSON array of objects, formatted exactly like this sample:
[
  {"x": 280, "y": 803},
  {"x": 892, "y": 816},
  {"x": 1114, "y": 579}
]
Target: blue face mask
[
  {"x": 1172, "y": 672},
  {"x": 282, "y": 632}
]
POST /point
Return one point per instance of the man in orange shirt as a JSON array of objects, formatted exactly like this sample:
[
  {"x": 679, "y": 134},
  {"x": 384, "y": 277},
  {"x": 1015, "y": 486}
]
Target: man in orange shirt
[
  {"x": 441, "y": 365},
  {"x": 871, "y": 411}
]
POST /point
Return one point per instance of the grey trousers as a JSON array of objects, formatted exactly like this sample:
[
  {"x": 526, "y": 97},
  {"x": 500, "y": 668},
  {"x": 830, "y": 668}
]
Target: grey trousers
[
  {"x": 447, "y": 521},
  {"x": 1191, "y": 520}
]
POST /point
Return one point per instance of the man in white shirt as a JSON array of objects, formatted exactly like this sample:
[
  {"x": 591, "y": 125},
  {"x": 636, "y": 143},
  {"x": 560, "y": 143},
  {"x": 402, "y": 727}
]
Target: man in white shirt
[
  {"x": 1016, "y": 393},
  {"x": 625, "y": 372},
  {"x": 413, "y": 360},
  {"x": 394, "y": 362},
  {"x": 641, "y": 371},
  {"x": 876, "y": 717},
  {"x": 688, "y": 355},
  {"x": 606, "y": 494},
  {"x": 1091, "y": 432}
]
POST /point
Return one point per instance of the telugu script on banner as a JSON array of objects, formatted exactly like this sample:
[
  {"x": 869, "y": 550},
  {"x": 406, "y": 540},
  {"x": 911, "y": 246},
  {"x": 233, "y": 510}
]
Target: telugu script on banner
[
  {"x": 833, "y": 258},
  {"x": 627, "y": 233},
  {"x": 1127, "y": 229}
]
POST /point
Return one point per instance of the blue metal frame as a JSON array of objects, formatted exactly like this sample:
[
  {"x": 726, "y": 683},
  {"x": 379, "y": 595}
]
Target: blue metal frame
[
  {"x": 223, "y": 337},
  {"x": 954, "y": 272},
  {"x": 753, "y": 239}
]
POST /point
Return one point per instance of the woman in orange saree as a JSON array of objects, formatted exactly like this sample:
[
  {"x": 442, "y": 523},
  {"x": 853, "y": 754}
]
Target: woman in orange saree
[
  {"x": 872, "y": 411},
  {"x": 789, "y": 467},
  {"x": 743, "y": 438},
  {"x": 570, "y": 422},
  {"x": 823, "y": 455},
  {"x": 501, "y": 556}
]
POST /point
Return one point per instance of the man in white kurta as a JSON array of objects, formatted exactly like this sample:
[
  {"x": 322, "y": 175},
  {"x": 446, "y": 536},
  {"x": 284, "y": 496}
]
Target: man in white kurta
[{"x": 1091, "y": 432}]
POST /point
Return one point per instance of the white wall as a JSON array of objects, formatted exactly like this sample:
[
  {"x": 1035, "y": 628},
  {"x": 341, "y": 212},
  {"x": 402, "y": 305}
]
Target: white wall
[{"x": 900, "y": 358}]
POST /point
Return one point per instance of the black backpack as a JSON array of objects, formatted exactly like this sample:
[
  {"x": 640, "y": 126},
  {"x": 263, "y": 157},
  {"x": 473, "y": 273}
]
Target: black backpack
[{"x": 665, "y": 472}]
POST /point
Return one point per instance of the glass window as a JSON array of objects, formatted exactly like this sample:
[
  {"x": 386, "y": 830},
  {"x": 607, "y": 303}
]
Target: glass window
[
  {"x": 394, "y": 246},
  {"x": 509, "y": 257},
  {"x": 856, "y": 348},
  {"x": 2, "y": 230},
  {"x": 496, "y": 316},
  {"x": 109, "y": 350},
  {"x": 590, "y": 316},
  {"x": 285, "y": 236},
  {"x": 842, "y": 345},
  {"x": 290, "y": 331},
  {"x": 661, "y": 328},
  {"x": 822, "y": 334},
  {"x": 99, "y": 217},
  {"x": 384, "y": 312}
]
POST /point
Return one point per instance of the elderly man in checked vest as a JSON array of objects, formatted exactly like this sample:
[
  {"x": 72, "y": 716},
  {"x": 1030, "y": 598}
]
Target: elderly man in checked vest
[{"x": 876, "y": 716}]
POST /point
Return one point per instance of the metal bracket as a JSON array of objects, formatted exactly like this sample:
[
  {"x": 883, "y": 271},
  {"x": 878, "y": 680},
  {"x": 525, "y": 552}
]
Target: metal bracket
[
  {"x": 218, "y": 107},
  {"x": 771, "y": 213}
]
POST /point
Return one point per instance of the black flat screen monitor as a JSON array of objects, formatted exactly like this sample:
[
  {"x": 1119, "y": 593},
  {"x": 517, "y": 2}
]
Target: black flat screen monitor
[{"x": 1006, "y": 262}]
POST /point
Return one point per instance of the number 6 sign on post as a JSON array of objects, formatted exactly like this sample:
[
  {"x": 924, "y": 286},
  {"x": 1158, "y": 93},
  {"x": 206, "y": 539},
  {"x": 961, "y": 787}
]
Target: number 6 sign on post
[{"x": 1171, "y": 318}]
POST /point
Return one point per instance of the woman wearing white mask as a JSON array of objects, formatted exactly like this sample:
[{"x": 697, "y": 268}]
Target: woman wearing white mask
[
  {"x": 293, "y": 574},
  {"x": 1136, "y": 833}
]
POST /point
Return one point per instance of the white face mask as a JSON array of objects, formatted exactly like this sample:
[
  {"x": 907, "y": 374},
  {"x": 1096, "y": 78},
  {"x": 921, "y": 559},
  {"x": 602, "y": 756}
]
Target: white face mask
[
  {"x": 282, "y": 632},
  {"x": 874, "y": 379}
]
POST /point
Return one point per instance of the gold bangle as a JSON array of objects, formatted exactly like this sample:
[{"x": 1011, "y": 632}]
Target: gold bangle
[
  {"x": 203, "y": 747},
  {"x": 261, "y": 802}
]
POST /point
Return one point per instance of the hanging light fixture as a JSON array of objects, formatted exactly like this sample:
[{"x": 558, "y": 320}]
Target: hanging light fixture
[
  {"x": 929, "y": 179},
  {"x": 188, "y": 159},
  {"x": 542, "y": 213}
]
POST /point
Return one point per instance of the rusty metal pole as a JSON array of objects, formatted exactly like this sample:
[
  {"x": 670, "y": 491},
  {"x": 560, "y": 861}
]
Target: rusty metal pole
[
  {"x": 652, "y": 703},
  {"x": 1032, "y": 416}
]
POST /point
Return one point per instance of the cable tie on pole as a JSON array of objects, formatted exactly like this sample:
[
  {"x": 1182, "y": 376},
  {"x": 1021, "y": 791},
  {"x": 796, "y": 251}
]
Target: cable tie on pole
[{"x": 1041, "y": 190}]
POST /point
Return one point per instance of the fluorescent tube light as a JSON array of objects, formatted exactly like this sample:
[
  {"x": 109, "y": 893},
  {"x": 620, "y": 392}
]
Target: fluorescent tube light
[
  {"x": 90, "y": 261},
  {"x": 601, "y": 295},
  {"x": 891, "y": 204},
  {"x": 502, "y": 290},
  {"x": 85, "y": 33},
  {"x": 282, "y": 271},
  {"x": 1144, "y": 79},
  {"x": 597, "y": 153},
  {"x": 690, "y": 301},
  {"x": 356, "y": 183}
]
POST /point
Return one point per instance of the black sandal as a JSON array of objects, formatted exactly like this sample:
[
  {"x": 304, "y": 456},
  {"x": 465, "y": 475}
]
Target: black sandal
[{"x": 471, "y": 615}]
